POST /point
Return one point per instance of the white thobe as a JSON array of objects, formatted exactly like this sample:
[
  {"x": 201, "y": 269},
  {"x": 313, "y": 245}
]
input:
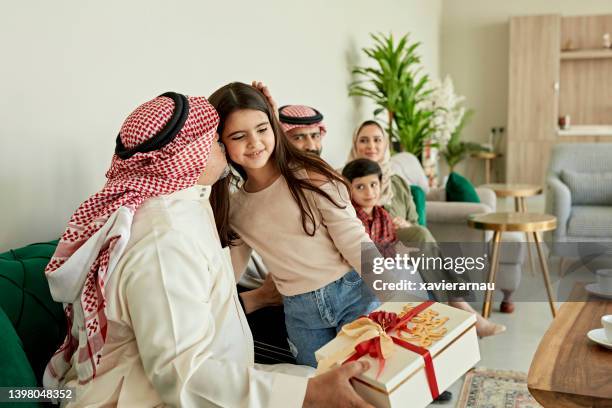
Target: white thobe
[{"x": 177, "y": 335}]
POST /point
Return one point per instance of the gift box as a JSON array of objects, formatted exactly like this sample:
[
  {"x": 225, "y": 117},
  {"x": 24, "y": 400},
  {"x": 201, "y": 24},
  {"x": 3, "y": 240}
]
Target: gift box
[{"x": 415, "y": 350}]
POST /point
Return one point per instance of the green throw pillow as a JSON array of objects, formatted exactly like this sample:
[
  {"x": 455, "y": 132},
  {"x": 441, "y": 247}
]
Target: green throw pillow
[
  {"x": 25, "y": 298},
  {"x": 418, "y": 196},
  {"x": 458, "y": 188},
  {"x": 15, "y": 370}
]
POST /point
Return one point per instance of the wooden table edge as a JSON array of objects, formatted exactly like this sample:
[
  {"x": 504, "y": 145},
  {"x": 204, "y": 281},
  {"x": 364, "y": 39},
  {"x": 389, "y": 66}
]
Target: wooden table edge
[
  {"x": 540, "y": 226},
  {"x": 522, "y": 194},
  {"x": 555, "y": 399},
  {"x": 552, "y": 398},
  {"x": 485, "y": 155},
  {"x": 509, "y": 193}
]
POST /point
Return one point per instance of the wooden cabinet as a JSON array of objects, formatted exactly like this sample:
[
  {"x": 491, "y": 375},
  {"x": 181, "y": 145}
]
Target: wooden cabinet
[
  {"x": 532, "y": 95},
  {"x": 557, "y": 67}
]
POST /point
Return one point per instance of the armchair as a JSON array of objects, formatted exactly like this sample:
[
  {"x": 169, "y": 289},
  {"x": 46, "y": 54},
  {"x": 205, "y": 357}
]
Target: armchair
[{"x": 579, "y": 194}]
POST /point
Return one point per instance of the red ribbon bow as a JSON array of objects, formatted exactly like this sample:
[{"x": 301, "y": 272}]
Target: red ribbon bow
[{"x": 391, "y": 321}]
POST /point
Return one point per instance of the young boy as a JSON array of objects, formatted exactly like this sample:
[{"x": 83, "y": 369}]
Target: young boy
[{"x": 365, "y": 177}]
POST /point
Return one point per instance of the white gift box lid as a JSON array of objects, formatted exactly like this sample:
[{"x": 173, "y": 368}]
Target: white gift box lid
[{"x": 403, "y": 362}]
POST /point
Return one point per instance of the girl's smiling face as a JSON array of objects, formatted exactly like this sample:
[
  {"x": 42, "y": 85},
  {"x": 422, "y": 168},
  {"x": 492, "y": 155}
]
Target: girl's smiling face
[
  {"x": 370, "y": 143},
  {"x": 248, "y": 138}
]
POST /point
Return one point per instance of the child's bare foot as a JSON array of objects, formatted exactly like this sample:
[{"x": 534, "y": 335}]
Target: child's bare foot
[{"x": 486, "y": 328}]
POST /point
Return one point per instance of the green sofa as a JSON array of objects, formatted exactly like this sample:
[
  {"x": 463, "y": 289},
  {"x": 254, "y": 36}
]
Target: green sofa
[{"x": 32, "y": 325}]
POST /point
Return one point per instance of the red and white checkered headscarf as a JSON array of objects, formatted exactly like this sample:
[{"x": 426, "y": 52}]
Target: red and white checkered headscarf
[
  {"x": 300, "y": 111},
  {"x": 98, "y": 231}
]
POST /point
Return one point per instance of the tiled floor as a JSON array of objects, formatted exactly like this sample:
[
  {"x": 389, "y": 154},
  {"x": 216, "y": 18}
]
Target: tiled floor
[{"x": 514, "y": 349}]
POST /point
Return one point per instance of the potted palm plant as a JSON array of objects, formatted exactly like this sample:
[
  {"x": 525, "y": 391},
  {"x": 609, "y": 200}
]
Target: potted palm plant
[
  {"x": 456, "y": 150},
  {"x": 395, "y": 85}
]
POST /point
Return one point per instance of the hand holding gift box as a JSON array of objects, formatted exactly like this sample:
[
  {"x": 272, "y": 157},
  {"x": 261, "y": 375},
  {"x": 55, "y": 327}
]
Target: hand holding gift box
[{"x": 415, "y": 352}]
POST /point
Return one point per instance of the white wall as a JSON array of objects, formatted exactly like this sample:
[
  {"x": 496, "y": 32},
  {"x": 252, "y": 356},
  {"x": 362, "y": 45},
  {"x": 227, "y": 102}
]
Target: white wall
[
  {"x": 72, "y": 70},
  {"x": 474, "y": 52}
]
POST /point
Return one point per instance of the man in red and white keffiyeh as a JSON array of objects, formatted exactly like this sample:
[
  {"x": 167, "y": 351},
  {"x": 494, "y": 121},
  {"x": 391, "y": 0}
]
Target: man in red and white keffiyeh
[
  {"x": 303, "y": 126},
  {"x": 98, "y": 231},
  {"x": 153, "y": 314}
]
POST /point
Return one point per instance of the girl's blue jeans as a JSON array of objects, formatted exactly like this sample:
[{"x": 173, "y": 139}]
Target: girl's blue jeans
[{"x": 314, "y": 318}]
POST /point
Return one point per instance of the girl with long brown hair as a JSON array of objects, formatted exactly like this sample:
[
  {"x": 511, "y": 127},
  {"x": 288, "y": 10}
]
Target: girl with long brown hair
[{"x": 295, "y": 211}]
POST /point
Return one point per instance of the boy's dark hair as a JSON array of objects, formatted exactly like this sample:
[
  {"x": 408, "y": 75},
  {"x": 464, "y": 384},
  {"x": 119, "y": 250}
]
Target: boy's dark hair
[{"x": 361, "y": 168}]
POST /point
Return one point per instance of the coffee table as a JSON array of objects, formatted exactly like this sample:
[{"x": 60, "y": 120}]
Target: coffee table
[
  {"x": 568, "y": 370},
  {"x": 529, "y": 223}
]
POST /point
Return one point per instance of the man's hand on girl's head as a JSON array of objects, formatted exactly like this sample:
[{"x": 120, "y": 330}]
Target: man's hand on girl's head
[{"x": 264, "y": 90}]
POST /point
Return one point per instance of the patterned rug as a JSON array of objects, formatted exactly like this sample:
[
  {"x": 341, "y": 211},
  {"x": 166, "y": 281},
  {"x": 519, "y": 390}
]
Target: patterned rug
[{"x": 485, "y": 388}]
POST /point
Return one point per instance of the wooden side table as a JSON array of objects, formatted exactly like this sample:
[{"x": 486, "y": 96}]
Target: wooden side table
[
  {"x": 529, "y": 223},
  {"x": 488, "y": 158},
  {"x": 519, "y": 192},
  {"x": 567, "y": 369}
]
